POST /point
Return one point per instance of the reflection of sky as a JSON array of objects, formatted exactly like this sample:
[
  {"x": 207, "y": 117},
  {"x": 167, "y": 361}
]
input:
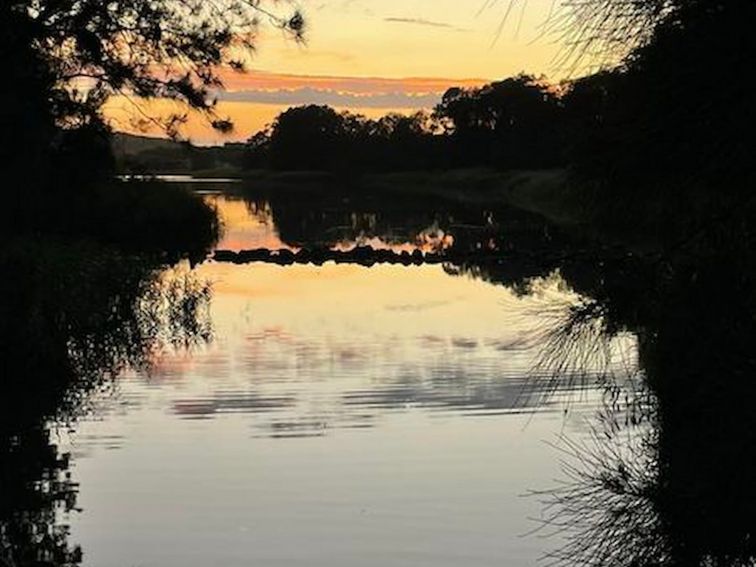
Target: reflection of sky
[
  {"x": 249, "y": 226},
  {"x": 362, "y": 342},
  {"x": 246, "y": 226},
  {"x": 343, "y": 416}
]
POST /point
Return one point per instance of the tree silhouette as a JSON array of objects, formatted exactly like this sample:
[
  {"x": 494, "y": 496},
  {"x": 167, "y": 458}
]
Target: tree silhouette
[
  {"x": 320, "y": 138},
  {"x": 64, "y": 58},
  {"x": 306, "y": 138},
  {"x": 88, "y": 50},
  {"x": 512, "y": 123},
  {"x": 665, "y": 147}
]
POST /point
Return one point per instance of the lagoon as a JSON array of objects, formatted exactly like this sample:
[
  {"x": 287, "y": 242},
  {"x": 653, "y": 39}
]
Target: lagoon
[{"x": 340, "y": 415}]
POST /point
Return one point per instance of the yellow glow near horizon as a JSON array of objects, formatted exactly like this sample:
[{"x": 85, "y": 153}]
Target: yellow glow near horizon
[
  {"x": 248, "y": 118},
  {"x": 390, "y": 50}
]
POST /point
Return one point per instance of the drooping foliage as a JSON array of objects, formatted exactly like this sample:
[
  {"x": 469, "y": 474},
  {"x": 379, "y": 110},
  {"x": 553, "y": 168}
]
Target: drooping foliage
[
  {"x": 64, "y": 58},
  {"x": 73, "y": 315},
  {"x": 83, "y": 51}
]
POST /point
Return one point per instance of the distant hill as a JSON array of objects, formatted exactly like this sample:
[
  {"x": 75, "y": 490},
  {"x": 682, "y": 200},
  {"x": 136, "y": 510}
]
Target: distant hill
[
  {"x": 132, "y": 145},
  {"x": 146, "y": 155}
]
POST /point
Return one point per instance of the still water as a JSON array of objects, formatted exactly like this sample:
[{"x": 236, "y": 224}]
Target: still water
[{"x": 340, "y": 416}]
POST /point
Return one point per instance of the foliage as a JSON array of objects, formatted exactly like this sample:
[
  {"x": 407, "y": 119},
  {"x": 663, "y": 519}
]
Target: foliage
[
  {"x": 511, "y": 124},
  {"x": 668, "y": 478},
  {"x": 146, "y": 217},
  {"x": 87, "y": 50},
  {"x": 320, "y": 138},
  {"x": 660, "y": 142},
  {"x": 514, "y": 123},
  {"x": 64, "y": 58},
  {"x": 151, "y": 217}
]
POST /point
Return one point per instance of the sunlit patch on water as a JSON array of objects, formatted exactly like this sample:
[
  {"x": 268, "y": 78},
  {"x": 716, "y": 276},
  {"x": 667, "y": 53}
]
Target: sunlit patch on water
[{"x": 250, "y": 225}]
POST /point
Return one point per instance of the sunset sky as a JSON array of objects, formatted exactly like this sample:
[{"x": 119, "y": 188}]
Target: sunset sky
[{"x": 375, "y": 56}]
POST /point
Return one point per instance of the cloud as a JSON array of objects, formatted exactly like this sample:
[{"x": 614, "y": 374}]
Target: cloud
[
  {"x": 252, "y": 100},
  {"x": 424, "y": 22},
  {"x": 266, "y": 81},
  {"x": 344, "y": 92},
  {"x": 308, "y": 95}
]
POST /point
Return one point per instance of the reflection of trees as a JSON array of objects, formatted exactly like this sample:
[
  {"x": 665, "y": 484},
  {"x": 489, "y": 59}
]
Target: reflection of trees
[
  {"x": 326, "y": 216},
  {"x": 72, "y": 316},
  {"x": 606, "y": 507},
  {"x": 36, "y": 488},
  {"x": 334, "y": 219},
  {"x": 676, "y": 486},
  {"x": 668, "y": 478}
]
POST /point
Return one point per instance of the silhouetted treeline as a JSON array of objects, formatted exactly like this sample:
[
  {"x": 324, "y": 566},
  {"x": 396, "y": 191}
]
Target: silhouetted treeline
[
  {"x": 319, "y": 138},
  {"x": 665, "y": 144},
  {"x": 512, "y": 124},
  {"x": 516, "y": 123}
]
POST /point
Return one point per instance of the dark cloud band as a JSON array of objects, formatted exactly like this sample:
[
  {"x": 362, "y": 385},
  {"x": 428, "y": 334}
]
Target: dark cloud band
[{"x": 307, "y": 95}]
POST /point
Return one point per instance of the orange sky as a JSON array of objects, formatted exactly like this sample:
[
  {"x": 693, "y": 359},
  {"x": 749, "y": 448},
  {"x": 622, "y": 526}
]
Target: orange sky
[
  {"x": 372, "y": 56},
  {"x": 248, "y": 118}
]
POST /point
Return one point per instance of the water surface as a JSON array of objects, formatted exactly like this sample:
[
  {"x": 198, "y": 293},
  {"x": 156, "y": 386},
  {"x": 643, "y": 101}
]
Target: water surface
[{"x": 341, "y": 416}]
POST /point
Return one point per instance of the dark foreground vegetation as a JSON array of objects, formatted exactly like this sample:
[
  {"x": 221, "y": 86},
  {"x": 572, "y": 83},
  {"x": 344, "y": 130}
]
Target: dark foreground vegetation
[{"x": 666, "y": 478}]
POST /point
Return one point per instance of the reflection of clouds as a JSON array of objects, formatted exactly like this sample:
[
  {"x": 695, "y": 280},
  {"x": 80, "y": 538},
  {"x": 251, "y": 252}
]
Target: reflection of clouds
[
  {"x": 230, "y": 402},
  {"x": 453, "y": 389},
  {"x": 250, "y": 225},
  {"x": 85, "y": 445},
  {"x": 517, "y": 343},
  {"x": 292, "y": 386},
  {"x": 285, "y": 429},
  {"x": 418, "y": 306},
  {"x": 347, "y": 348}
]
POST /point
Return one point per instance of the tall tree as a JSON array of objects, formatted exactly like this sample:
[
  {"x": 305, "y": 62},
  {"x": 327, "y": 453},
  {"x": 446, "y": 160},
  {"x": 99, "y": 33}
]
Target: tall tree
[
  {"x": 87, "y": 50},
  {"x": 63, "y": 59}
]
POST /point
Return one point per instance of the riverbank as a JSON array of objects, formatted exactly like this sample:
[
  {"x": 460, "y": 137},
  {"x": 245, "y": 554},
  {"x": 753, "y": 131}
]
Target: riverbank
[
  {"x": 138, "y": 216},
  {"x": 545, "y": 192}
]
